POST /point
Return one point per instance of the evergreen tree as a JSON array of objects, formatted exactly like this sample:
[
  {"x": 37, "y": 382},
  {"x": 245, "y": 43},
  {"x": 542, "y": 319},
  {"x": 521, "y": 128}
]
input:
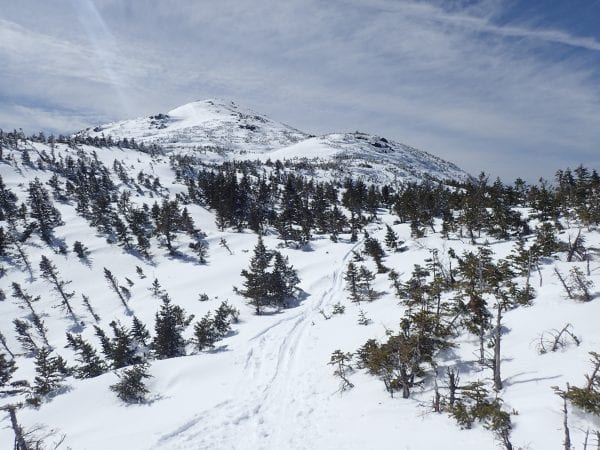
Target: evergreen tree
[
  {"x": 7, "y": 368},
  {"x": 131, "y": 387},
  {"x": 139, "y": 332},
  {"x": 120, "y": 350},
  {"x": 168, "y": 221},
  {"x": 88, "y": 306},
  {"x": 352, "y": 279},
  {"x": 89, "y": 363},
  {"x": 284, "y": 280},
  {"x": 373, "y": 249},
  {"x": 391, "y": 239},
  {"x": 114, "y": 285},
  {"x": 80, "y": 250},
  {"x": 205, "y": 334},
  {"x": 365, "y": 277},
  {"x": 24, "y": 336},
  {"x": 42, "y": 210},
  {"x": 171, "y": 321},
  {"x": 257, "y": 284},
  {"x": 51, "y": 371},
  {"x": 50, "y": 274}
]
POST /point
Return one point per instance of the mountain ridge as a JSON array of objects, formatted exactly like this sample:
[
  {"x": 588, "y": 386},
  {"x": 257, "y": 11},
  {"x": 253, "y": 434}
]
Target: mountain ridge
[{"x": 222, "y": 130}]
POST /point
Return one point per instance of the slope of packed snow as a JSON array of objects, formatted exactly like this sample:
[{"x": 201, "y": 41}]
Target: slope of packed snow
[
  {"x": 268, "y": 385},
  {"x": 220, "y": 130}
]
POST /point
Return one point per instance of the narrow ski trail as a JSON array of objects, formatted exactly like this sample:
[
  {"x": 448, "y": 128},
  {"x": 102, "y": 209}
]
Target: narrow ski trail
[{"x": 275, "y": 402}]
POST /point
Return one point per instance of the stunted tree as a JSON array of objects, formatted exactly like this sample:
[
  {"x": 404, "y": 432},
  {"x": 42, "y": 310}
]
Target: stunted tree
[
  {"x": 391, "y": 239},
  {"x": 114, "y": 285},
  {"x": 50, "y": 274},
  {"x": 121, "y": 350},
  {"x": 352, "y": 279},
  {"x": 7, "y": 368},
  {"x": 256, "y": 285},
  {"x": 171, "y": 322},
  {"x": 131, "y": 387},
  {"x": 27, "y": 301},
  {"x": 168, "y": 221},
  {"x": 205, "y": 334},
  {"x": 51, "y": 370},
  {"x": 89, "y": 362},
  {"x": 42, "y": 210}
]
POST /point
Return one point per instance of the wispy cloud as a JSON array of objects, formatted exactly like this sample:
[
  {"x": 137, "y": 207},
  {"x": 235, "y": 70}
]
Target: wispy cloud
[{"x": 447, "y": 77}]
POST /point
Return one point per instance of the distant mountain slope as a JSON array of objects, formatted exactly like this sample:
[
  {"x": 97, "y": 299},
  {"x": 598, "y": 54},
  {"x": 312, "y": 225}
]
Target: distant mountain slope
[
  {"x": 208, "y": 123},
  {"x": 223, "y": 130}
]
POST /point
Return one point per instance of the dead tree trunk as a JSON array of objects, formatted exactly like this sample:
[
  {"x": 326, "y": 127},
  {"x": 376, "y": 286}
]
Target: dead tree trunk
[
  {"x": 20, "y": 443},
  {"x": 564, "y": 283},
  {"x": 497, "y": 339}
]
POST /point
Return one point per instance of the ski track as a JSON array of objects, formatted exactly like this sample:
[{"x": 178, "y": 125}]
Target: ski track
[{"x": 260, "y": 414}]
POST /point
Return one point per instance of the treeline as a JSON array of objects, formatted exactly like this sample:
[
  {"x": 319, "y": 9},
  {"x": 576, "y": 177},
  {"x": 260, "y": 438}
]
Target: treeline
[
  {"x": 13, "y": 139},
  {"x": 104, "y": 198}
]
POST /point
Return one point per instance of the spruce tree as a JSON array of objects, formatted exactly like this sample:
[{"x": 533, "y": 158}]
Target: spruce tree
[
  {"x": 205, "y": 334},
  {"x": 284, "y": 280},
  {"x": 24, "y": 336},
  {"x": 121, "y": 350},
  {"x": 257, "y": 284},
  {"x": 7, "y": 368},
  {"x": 80, "y": 250},
  {"x": 131, "y": 387},
  {"x": 50, "y": 274},
  {"x": 42, "y": 210},
  {"x": 51, "y": 371},
  {"x": 114, "y": 285},
  {"x": 168, "y": 221},
  {"x": 89, "y": 363},
  {"x": 352, "y": 280},
  {"x": 170, "y": 323},
  {"x": 391, "y": 239}
]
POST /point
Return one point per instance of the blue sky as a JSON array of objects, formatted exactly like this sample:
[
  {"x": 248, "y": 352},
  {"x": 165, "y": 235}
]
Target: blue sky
[{"x": 508, "y": 87}]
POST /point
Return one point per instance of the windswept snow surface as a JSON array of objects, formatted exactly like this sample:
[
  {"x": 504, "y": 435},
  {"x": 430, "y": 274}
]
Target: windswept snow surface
[
  {"x": 214, "y": 123},
  {"x": 268, "y": 384},
  {"x": 219, "y": 130}
]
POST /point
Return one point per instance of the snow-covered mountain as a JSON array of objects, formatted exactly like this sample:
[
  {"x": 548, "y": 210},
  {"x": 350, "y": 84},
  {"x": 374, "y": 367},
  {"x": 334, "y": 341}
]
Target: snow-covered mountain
[
  {"x": 221, "y": 130},
  {"x": 122, "y": 233}
]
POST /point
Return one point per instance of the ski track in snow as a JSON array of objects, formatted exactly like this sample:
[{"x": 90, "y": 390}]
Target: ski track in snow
[{"x": 252, "y": 416}]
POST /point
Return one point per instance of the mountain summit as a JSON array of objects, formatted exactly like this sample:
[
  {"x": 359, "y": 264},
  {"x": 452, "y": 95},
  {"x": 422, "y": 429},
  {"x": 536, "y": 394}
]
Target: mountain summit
[
  {"x": 212, "y": 123},
  {"x": 222, "y": 130}
]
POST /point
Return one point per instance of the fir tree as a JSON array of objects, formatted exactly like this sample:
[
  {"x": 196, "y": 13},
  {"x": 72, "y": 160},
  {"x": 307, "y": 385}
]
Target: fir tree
[
  {"x": 258, "y": 280},
  {"x": 171, "y": 321},
  {"x": 42, "y": 210},
  {"x": 50, "y": 274},
  {"x": 120, "y": 350},
  {"x": 51, "y": 371},
  {"x": 284, "y": 280},
  {"x": 7, "y": 368},
  {"x": 24, "y": 336},
  {"x": 114, "y": 285},
  {"x": 89, "y": 363},
  {"x": 168, "y": 221},
  {"x": 80, "y": 250},
  {"x": 131, "y": 387},
  {"x": 352, "y": 280},
  {"x": 88, "y": 305},
  {"x": 391, "y": 239},
  {"x": 205, "y": 334}
]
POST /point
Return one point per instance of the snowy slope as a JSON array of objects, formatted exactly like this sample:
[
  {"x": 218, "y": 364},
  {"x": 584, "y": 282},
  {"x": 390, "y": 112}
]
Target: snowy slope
[
  {"x": 216, "y": 124},
  {"x": 268, "y": 385},
  {"x": 221, "y": 130}
]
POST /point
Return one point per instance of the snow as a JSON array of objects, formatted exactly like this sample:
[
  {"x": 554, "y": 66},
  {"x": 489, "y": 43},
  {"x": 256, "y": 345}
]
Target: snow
[
  {"x": 218, "y": 130},
  {"x": 268, "y": 385}
]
